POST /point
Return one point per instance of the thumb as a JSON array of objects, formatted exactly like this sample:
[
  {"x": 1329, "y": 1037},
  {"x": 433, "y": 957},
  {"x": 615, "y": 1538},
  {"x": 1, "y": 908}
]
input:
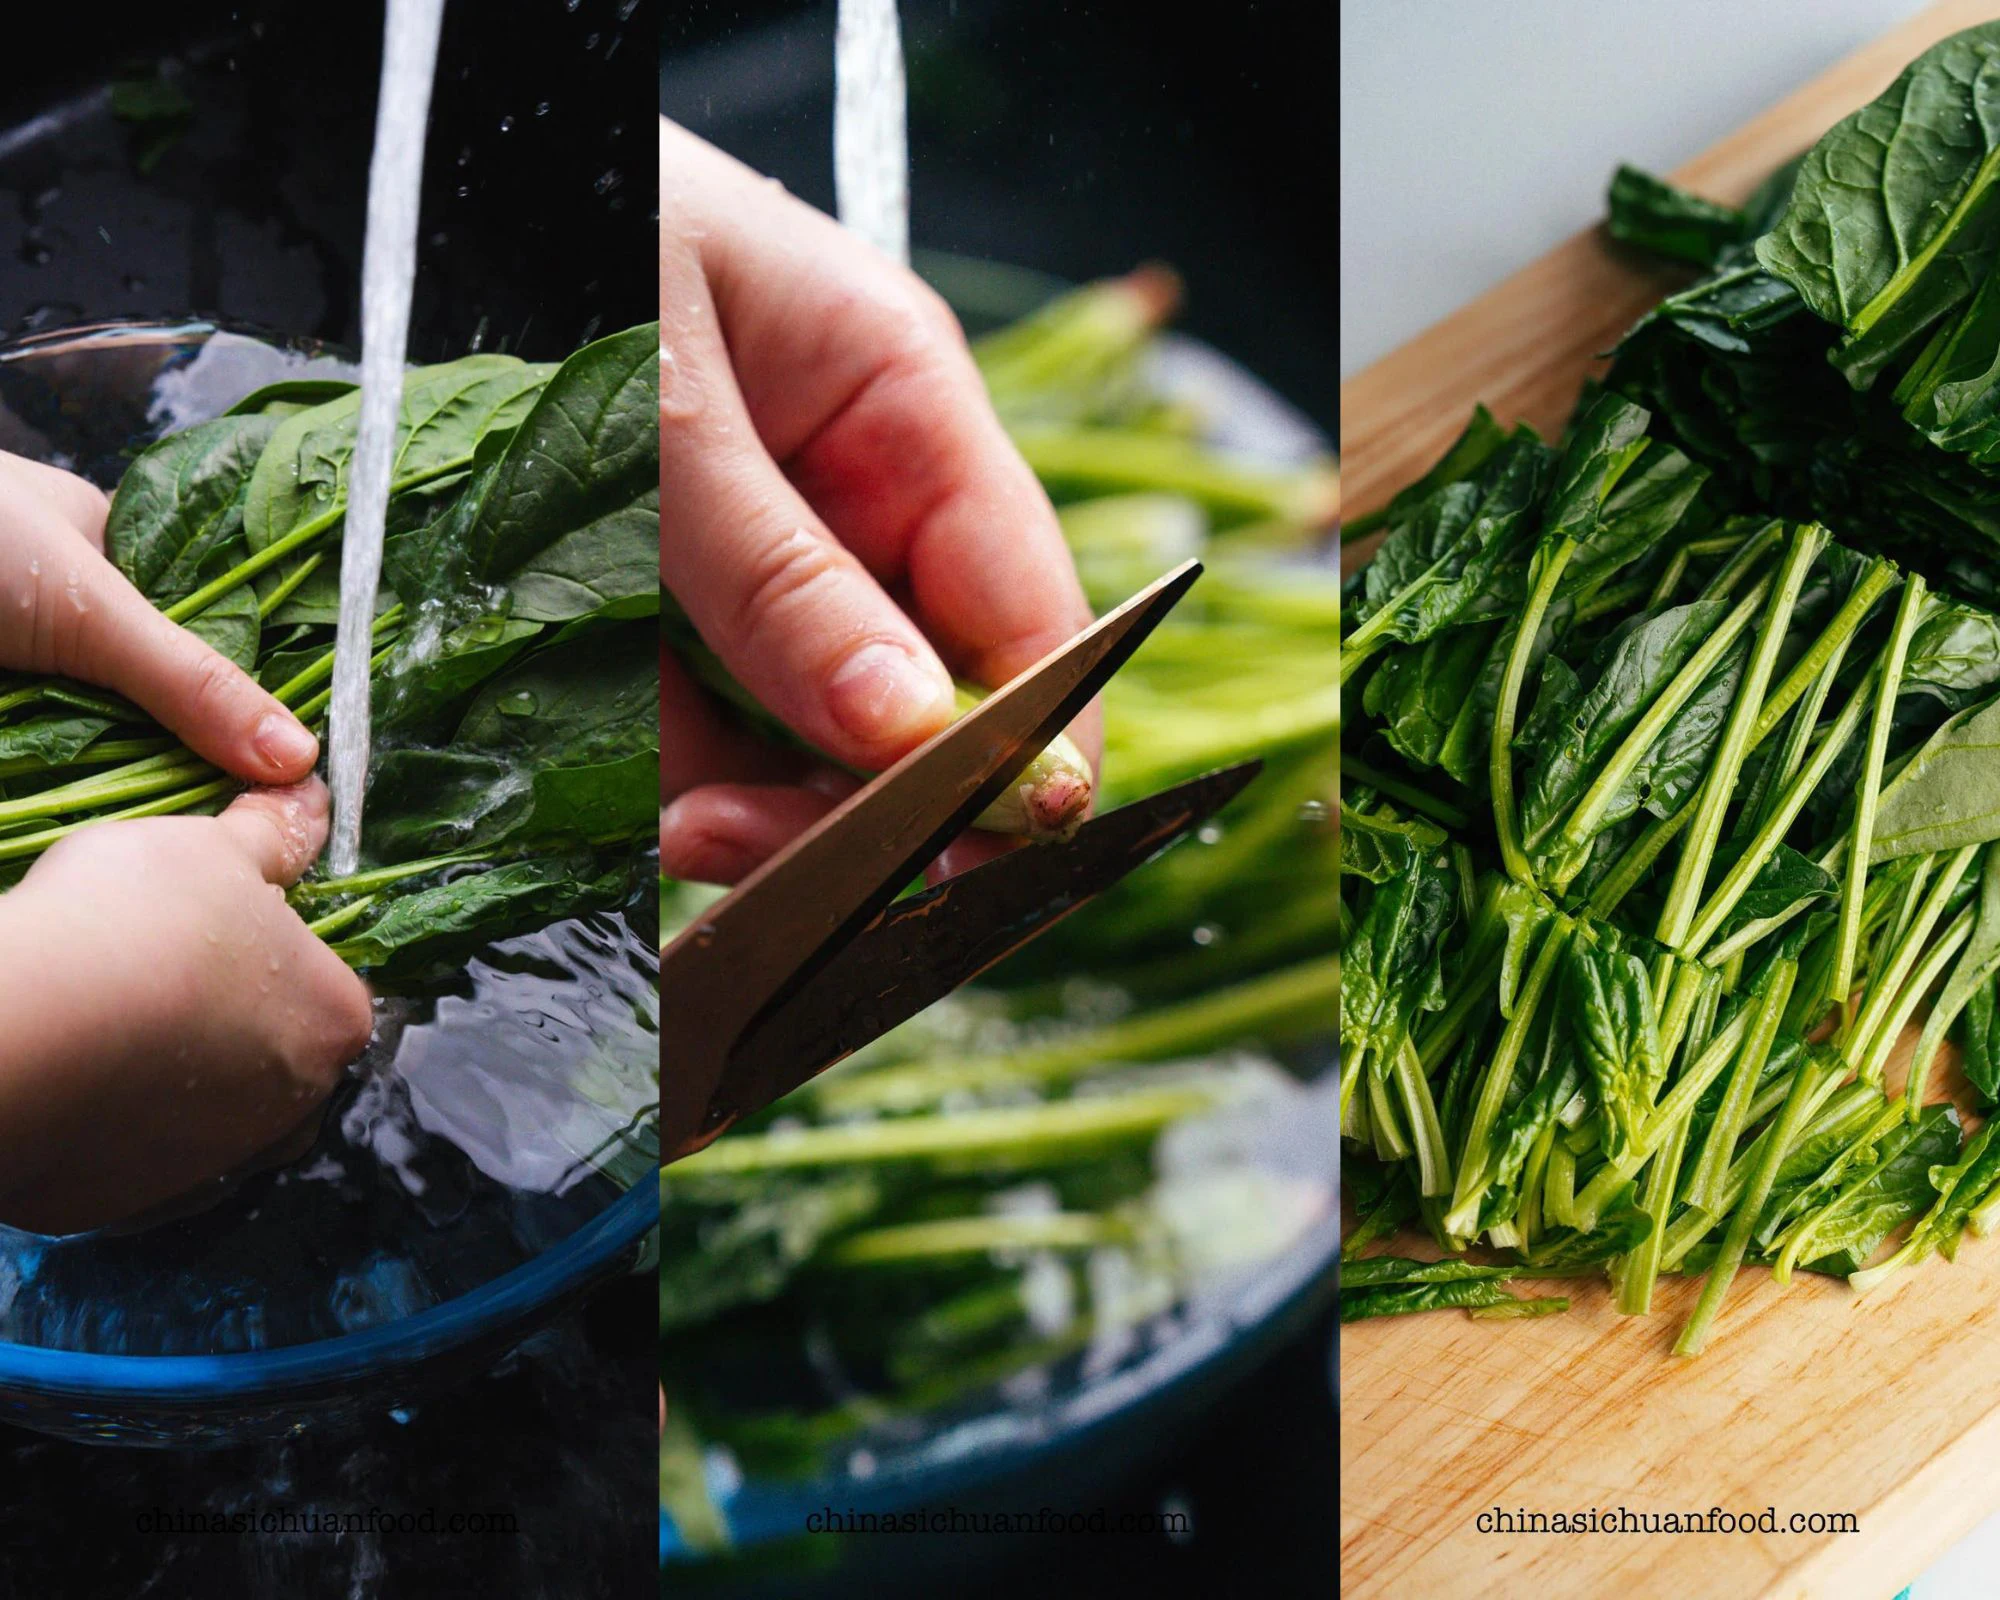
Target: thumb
[
  {"x": 280, "y": 830},
  {"x": 92, "y": 624}
]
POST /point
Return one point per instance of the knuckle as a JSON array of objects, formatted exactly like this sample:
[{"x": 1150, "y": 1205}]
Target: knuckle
[
  {"x": 211, "y": 684},
  {"x": 780, "y": 577}
]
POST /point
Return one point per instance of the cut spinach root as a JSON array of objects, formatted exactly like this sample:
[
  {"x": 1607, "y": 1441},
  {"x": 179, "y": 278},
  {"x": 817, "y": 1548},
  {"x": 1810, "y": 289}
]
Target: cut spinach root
[
  {"x": 1675, "y": 797},
  {"x": 515, "y": 706}
]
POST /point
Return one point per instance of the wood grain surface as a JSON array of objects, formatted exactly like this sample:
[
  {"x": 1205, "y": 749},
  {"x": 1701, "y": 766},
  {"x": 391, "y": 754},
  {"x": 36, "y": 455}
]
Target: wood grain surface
[{"x": 1808, "y": 1401}]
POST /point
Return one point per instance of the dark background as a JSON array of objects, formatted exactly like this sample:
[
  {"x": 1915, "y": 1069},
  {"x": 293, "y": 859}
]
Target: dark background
[
  {"x": 1080, "y": 139},
  {"x": 248, "y": 205},
  {"x": 1075, "y": 137}
]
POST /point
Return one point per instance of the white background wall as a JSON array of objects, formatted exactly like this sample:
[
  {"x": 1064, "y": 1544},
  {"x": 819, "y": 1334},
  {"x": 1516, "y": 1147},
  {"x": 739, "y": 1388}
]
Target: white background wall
[{"x": 1475, "y": 134}]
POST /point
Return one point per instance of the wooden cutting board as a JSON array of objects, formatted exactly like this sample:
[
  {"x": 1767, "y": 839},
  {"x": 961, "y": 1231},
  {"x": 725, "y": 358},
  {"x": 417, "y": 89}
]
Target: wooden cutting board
[{"x": 1809, "y": 1401}]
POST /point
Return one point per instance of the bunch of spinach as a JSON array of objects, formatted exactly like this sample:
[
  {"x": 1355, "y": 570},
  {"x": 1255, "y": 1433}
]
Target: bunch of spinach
[
  {"x": 515, "y": 713},
  {"x": 1734, "y": 787}
]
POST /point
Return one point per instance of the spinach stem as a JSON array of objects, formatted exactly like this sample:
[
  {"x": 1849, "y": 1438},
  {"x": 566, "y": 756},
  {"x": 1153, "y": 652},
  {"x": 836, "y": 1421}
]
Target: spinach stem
[
  {"x": 1506, "y": 815},
  {"x": 1784, "y": 811},
  {"x": 1475, "y": 1156},
  {"x": 1666, "y": 705},
  {"x": 1731, "y": 1116},
  {"x": 1862, "y": 839},
  {"x": 1715, "y": 1288},
  {"x": 1691, "y": 871}
]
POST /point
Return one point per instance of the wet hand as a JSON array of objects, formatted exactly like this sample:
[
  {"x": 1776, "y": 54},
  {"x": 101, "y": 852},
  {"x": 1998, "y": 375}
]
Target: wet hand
[
  {"x": 65, "y": 609},
  {"x": 172, "y": 1020}
]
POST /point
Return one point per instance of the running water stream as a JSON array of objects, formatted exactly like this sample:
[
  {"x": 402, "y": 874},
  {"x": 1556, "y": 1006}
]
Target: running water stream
[
  {"x": 388, "y": 270},
  {"x": 871, "y": 147}
]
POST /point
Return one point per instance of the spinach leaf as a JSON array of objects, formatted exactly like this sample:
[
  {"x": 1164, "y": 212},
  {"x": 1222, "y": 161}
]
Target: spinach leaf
[
  {"x": 49, "y": 741},
  {"x": 177, "y": 517},
  {"x": 1567, "y": 745},
  {"x": 290, "y": 395},
  {"x": 426, "y": 926},
  {"x": 561, "y": 512},
  {"x": 1392, "y": 963},
  {"x": 1887, "y": 1194},
  {"x": 560, "y": 748},
  {"x": 446, "y": 411},
  {"x": 1387, "y": 1286},
  {"x": 1949, "y": 793},
  {"x": 1661, "y": 217},
  {"x": 1979, "y": 1039},
  {"x": 1893, "y": 220},
  {"x": 1607, "y": 1002}
]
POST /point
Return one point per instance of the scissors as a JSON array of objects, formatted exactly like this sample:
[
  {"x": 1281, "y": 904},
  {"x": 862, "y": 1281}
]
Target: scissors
[{"x": 813, "y": 955}]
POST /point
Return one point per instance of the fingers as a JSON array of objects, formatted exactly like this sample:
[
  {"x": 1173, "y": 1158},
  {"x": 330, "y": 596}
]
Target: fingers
[
  {"x": 116, "y": 638},
  {"x": 720, "y": 833},
  {"x": 856, "y": 379},
  {"x": 77, "y": 501},
  {"x": 799, "y": 621},
  {"x": 65, "y": 609},
  {"x": 281, "y": 831},
  {"x": 329, "y": 1022}
]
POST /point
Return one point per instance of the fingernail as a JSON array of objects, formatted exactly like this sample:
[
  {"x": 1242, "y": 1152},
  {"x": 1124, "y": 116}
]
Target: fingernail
[
  {"x": 285, "y": 742},
  {"x": 880, "y": 695}
]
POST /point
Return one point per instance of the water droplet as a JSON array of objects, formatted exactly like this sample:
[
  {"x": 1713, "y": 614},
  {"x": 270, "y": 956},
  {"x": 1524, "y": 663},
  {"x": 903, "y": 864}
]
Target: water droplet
[
  {"x": 34, "y": 567},
  {"x": 463, "y": 191},
  {"x": 506, "y": 124},
  {"x": 401, "y": 1414},
  {"x": 1313, "y": 811},
  {"x": 1210, "y": 833},
  {"x": 521, "y": 703},
  {"x": 1206, "y": 934},
  {"x": 542, "y": 109}
]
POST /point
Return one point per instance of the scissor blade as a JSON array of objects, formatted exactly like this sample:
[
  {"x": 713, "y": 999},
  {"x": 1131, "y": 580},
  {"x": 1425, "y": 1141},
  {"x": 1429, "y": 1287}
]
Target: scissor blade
[
  {"x": 920, "y": 949},
  {"x": 791, "y": 915}
]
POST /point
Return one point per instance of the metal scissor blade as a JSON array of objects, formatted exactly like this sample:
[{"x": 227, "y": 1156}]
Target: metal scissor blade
[
  {"x": 920, "y": 949},
  {"x": 793, "y": 914}
]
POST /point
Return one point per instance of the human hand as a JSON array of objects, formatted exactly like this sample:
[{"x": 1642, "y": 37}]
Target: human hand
[
  {"x": 841, "y": 513},
  {"x": 65, "y": 609},
  {"x": 170, "y": 1018}
]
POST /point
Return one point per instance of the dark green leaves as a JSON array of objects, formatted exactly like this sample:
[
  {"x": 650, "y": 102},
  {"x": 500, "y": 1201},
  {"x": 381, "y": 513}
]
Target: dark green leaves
[
  {"x": 1389, "y": 1286},
  {"x": 562, "y": 748},
  {"x": 446, "y": 411},
  {"x": 1658, "y": 216},
  {"x": 561, "y": 513},
  {"x": 1893, "y": 220},
  {"x": 1608, "y": 439},
  {"x": 429, "y": 925},
  {"x": 177, "y": 517},
  {"x": 1949, "y": 794},
  {"x": 1392, "y": 963},
  {"x": 1606, "y": 1001},
  {"x": 1432, "y": 569},
  {"x": 1568, "y": 741}
]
